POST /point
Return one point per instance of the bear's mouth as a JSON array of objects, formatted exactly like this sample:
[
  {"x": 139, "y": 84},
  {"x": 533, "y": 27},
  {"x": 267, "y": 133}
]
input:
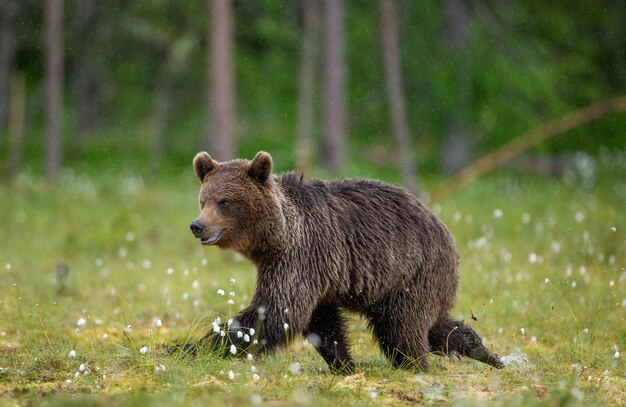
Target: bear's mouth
[{"x": 207, "y": 241}]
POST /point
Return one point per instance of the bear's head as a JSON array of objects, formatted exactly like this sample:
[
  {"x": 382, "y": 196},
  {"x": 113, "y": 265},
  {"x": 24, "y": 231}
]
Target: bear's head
[{"x": 239, "y": 206}]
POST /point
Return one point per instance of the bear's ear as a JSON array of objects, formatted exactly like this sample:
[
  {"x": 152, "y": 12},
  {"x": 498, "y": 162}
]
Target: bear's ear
[
  {"x": 203, "y": 164},
  {"x": 260, "y": 168}
]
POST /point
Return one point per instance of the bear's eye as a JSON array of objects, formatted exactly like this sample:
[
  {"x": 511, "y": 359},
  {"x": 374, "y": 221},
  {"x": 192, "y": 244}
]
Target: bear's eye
[{"x": 223, "y": 204}]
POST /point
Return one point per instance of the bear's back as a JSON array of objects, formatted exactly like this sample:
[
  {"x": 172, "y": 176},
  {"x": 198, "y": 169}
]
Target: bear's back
[{"x": 384, "y": 235}]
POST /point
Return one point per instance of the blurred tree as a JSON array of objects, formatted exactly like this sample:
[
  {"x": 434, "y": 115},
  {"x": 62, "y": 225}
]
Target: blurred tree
[
  {"x": 456, "y": 150},
  {"x": 8, "y": 13},
  {"x": 16, "y": 132},
  {"x": 86, "y": 86},
  {"x": 54, "y": 86},
  {"x": 333, "y": 82},
  {"x": 306, "y": 83},
  {"x": 395, "y": 93},
  {"x": 221, "y": 89}
]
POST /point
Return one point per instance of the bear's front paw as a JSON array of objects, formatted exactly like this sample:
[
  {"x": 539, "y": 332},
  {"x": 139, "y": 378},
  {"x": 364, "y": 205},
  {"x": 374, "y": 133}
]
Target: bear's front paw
[{"x": 185, "y": 349}]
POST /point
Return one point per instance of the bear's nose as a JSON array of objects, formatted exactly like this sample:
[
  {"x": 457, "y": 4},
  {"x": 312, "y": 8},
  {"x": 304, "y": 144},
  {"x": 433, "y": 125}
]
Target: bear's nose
[{"x": 196, "y": 228}]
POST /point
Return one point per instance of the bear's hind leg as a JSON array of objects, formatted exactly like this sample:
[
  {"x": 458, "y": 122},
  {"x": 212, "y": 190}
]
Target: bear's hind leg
[
  {"x": 401, "y": 335},
  {"x": 327, "y": 333},
  {"x": 451, "y": 337}
]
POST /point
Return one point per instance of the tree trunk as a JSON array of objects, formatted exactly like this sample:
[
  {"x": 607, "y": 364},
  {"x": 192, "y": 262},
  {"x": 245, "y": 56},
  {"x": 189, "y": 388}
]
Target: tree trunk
[
  {"x": 54, "y": 86},
  {"x": 334, "y": 107},
  {"x": 86, "y": 86},
  {"x": 8, "y": 11},
  {"x": 456, "y": 151},
  {"x": 17, "y": 135},
  {"x": 306, "y": 84},
  {"x": 395, "y": 94},
  {"x": 161, "y": 120},
  {"x": 521, "y": 144},
  {"x": 221, "y": 92}
]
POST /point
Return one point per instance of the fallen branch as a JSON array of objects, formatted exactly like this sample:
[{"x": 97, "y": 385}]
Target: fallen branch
[{"x": 538, "y": 135}]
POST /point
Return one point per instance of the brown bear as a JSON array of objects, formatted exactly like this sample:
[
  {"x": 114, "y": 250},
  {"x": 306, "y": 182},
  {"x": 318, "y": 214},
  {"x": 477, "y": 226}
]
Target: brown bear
[{"x": 322, "y": 247}]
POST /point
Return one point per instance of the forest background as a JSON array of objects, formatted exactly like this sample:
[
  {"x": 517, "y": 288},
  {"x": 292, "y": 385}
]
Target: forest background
[{"x": 389, "y": 89}]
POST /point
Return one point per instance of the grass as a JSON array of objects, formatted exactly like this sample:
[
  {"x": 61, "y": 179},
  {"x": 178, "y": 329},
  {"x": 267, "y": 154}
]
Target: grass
[{"x": 542, "y": 275}]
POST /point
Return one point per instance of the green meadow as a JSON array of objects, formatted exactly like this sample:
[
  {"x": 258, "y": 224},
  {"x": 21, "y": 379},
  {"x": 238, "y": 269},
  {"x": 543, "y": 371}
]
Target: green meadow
[{"x": 99, "y": 274}]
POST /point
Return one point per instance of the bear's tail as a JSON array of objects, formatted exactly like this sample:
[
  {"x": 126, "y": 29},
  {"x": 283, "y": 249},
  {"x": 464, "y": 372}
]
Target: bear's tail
[{"x": 452, "y": 337}]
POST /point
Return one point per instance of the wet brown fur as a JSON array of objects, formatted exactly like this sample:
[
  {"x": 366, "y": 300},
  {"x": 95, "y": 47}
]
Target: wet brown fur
[{"x": 322, "y": 247}]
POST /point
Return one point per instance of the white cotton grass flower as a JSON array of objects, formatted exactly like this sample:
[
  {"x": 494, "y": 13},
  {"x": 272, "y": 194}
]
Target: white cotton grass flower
[
  {"x": 613, "y": 229},
  {"x": 223, "y": 333},
  {"x": 523, "y": 331},
  {"x": 246, "y": 338},
  {"x": 105, "y": 336},
  {"x": 239, "y": 334},
  {"x": 249, "y": 357},
  {"x": 232, "y": 281},
  {"x": 68, "y": 382},
  {"x": 159, "y": 323},
  {"x": 252, "y": 331},
  {"x": 72, "y": 353},
  {"x": 231, "y": 375},
  {"x": 233, "y": 349},
  {"x": 143, "y": 350},
  {"x": 294, "y": 367},
  {"x": 286, "y": 326},
  {"x": 81, "y": 322},
  {"x": 216, "y": 327},
  {"x": 160, "y": 368},
  {"x": 220, "y": 292},
  {"x": 230, "y": 302},
  {"x": 82, "y": 367},
  {"x": 255, "y": 376},
  {"x": 616, "y": 355}
]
